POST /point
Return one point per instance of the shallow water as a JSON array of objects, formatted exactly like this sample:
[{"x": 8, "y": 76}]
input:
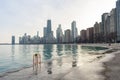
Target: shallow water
[{"x": 20, "y": 56}]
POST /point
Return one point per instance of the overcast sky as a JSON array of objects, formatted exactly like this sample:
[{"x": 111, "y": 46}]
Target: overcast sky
[{"x": 29, "y": 16}]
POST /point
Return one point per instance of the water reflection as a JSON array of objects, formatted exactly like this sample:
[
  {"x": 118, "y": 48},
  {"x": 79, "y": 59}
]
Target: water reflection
[
  {"x": 67, "y": 47},
  {"x": 74, "y": 55},
  {"x": 37, "y": 48},
  {"x": 49, "y": 67},
  {"x": 59, "y": 53},
  {"x": 47, "y": 54},
  {"x": 59, "y": 49},
  {"x": 24, "y": 50},
  {"x": 13, "y": 52}
]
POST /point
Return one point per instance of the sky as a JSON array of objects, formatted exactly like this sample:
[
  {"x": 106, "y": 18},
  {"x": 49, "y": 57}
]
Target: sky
[{"x": 29, "y": 16}]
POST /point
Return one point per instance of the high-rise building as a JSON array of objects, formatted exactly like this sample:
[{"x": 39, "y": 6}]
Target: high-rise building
[
  {"x": 104, "y": 25},
  {"x": 83, "y": 36},
  {"x": 118, "y": 19},
  {"x": 107, "y": 29},
  {"x": 48, "y": 27},
  {"x": 37, "y": 33},
  {"x": 67, "y": 36},
  {"x": 26, "y": 39},
  {"x": 74, "y": 31},
  {"x": 113, "y": 27},
  {"x": 97, "y": 32},
  {"x": 13, "y": 39},
  {"x": 59, "y": 34},
  {"x": 89, "y": 35},
  {"x": 48, "y": 33},
  {"x": 45, "y": 32}
]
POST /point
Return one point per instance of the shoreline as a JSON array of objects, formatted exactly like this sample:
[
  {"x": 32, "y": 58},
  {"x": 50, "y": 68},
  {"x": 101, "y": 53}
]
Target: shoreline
[
  {"x": 104, "y": 63},
  {"x": 112, "y": 68}
]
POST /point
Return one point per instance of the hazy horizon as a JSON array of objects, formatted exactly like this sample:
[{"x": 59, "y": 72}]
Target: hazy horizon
[{"x": 29, "y": 16}]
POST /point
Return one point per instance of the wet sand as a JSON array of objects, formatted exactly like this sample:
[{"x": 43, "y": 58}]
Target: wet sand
[
  {"x": 112, "y": 68},
  {"x": 112, "y": 65}
]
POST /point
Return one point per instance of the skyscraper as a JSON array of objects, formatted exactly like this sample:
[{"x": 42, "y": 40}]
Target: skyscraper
[
  {"x": 96, "y": 32},
  {"x": 13, "y": 40},
  {"x": 83, "y": 36},
  {"x": 48, "y": 33},
  {"x": 89, "y": 35},
  {"x": 74, "y": 31},
  {"x": 48, "y": 27},
  {"x": 59, "y": 34},
  {"x": 37, "y": 33},
  {"x": 118, "y": 20},
  {"x": 67, "y": 36},
  {"x": 104, "y": 25},
  {"x": 45, "y": 32},
  {"x": 113, "y": 28}
]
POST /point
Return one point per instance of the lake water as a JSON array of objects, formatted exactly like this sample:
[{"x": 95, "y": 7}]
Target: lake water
[{"x": 20, "y": 56}]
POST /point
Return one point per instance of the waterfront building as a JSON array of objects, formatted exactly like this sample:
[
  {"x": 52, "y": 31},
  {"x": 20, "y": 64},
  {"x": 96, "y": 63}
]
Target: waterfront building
[
  {"x": 35, "y": 39},
  {"x": 96, "y": 32},
  {"x": 25, "y": 39},
  {"x": 104, "y": 25},
  {"x": 107, "y": 38},
  {"x": 48, "y": 27},
  {"x": 89, "y": 35},
  {"x": 48, "y": 33},
  {"x": 118, "y": 19},
  {"x": 83, "y": 36},
  {"x": 113, "y": 27},
  {"x": 44, "y": 35},
  {"x": 13, "y": 40},
  {"x": 45, "y": 32},
  {"x": 68, "y": 36},
  {"x": 74, "y": 31},
  {"x": 101, "y": 37},
  {"x": 59, "y": 34}
]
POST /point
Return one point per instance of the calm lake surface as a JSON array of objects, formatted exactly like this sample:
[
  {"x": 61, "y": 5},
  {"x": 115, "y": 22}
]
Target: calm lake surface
[{"x": 20, "y": 56}]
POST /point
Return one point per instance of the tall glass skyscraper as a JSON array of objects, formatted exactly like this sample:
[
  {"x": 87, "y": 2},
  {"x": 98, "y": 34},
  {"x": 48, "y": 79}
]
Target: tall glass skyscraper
[
  {"x": 74, "y": 31},
  {"x": 104, "y": 25},
  {"x": 45, "y": 32},
  {"x": 48, "y": 33},
  {"x": 13, "y": 40},
  {"x": 48, "y": 26},
  {"x": 59, "y": 34},
  {"x": 118, "y": 20}
]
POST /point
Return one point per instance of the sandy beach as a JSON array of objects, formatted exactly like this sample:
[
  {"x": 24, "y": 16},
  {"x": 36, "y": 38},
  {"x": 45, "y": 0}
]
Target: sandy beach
[
  {"x": 104, "y": 66},
  {"x": 112, "y": 65},
  {"x": 112, "y": 68}
]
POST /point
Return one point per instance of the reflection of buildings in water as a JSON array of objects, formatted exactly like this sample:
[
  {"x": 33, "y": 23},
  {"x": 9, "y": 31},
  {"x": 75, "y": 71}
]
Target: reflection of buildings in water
[
  {"x": 67, "y": 47},
  {"x": 36, "y": 48},
  {"x": 59, "y": 61},
  {"x": 74, "y": 49},
  {"x": 74, "y": 61},
  {"x": 74, "y": 55},
  {"x": 24, "y": 49},
  {"x": 59, "y": 53},
  {"x": 47, "y": 55},
  {"x": 49, "y": 67},
  {"x": 47, "y": 52},
  {"x": 13, "y": 52},
  {"x": 59, "y": 49}
]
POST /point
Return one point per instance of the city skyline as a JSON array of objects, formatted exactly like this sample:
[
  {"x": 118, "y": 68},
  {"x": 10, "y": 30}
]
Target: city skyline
[
  {"x": 69, "y": 35},
  {"x": 19, "y": 17}
]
